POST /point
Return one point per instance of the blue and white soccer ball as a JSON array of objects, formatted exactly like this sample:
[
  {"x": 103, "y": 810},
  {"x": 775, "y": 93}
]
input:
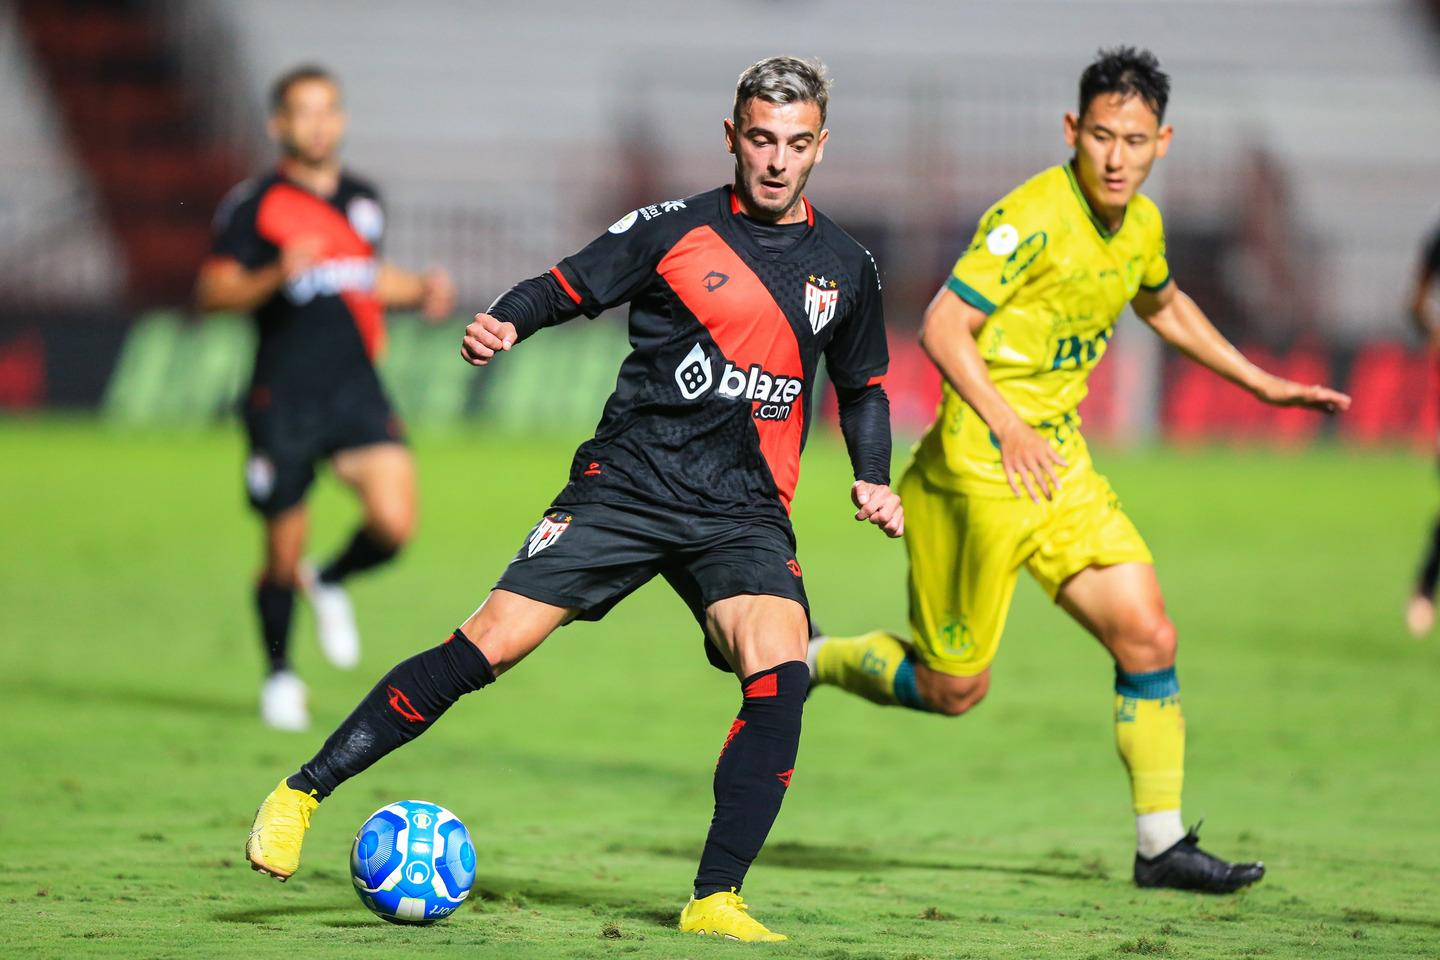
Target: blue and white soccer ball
[{"x": 413, "y": 862}]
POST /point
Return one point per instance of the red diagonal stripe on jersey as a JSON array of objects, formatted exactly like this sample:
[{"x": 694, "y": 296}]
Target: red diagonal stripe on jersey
[
  {"x": 288, "y": 213},
  {"x": 749, "y": 327},
  {"x": 763, "y": 687}
]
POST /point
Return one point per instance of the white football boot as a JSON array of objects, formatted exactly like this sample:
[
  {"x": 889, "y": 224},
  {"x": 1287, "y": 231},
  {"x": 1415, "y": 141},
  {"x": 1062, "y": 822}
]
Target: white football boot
[
  {"x": 334, "y": 618},
  {"x": 282, "y": 702}
]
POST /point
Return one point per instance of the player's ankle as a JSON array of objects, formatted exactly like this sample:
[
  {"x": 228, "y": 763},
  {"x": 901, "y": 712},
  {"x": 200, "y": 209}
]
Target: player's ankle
[{"x": 1157, "y": 832}]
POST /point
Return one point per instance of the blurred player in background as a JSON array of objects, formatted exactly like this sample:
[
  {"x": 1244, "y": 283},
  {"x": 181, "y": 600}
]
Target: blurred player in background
[
  {"x": 299, "y": 249},
  {"x": 1420, "y": 614},
  {"x": 736, "y": 294},
  {"x": 1003, "y": 478}
]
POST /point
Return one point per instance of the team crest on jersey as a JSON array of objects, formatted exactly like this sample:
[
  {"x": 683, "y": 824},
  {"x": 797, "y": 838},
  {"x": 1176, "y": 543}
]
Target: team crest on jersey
[
  {"x": 821, "y": 299},
  {"x": 548, "y": 530},
  {"x": 366, "y": 217}
]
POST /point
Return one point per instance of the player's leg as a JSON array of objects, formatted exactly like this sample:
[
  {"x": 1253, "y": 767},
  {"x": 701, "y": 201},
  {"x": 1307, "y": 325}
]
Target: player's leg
[
  {"x": 402, "y": 705},
  {"x": 383, "y": 477},
  {"x": 1122, "y": 606},
  {"x": 763, "y": 638},
  {"x": 964, "y": 557},
  {"x": 282, "y": 697},
  {"x": 1420, "y": 612}
]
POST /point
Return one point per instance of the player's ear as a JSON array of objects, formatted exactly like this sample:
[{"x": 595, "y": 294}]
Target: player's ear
[
  {"x": 1162, "y": 141},
  {"x": 272, "y": 127},
  {"x": 820, "y": 145},
  {"x": 730, "y": 135},
  {"x": 1072, "y": 128}
]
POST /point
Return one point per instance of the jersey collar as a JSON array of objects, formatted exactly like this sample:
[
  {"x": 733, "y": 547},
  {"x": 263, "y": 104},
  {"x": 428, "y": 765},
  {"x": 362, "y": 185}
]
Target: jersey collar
[
  {"x": 739, "y": 236},
  {"x": 1106, "y": 234},
  {"x": 735, "y": 205}
]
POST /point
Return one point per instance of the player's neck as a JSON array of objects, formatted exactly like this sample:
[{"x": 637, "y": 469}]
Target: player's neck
[
  {"x": 1111, "y": 218},
  {"x": 795, "y": 214},
  {"x": 322, "y": 179}
]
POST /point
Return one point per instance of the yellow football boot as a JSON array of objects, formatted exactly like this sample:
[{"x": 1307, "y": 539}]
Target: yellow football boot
[
  {"x": 273, "y": 846},
  {"x": 725, "y": 915}
]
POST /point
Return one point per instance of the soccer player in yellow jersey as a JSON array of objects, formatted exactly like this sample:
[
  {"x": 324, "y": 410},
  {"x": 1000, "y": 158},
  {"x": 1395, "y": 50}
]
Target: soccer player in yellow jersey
[{"x": 1003, "y": 478}]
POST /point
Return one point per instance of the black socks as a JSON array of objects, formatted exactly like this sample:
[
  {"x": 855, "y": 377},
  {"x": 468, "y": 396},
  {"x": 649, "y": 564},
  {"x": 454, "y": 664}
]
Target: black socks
[
  {"x": 403, "y": 705},
  {"x": 276, "y": 604},
  {"x": 1430, "y": 569},
  {"x": 364, "y": 552},
  {"x": 752, "y": 774}
]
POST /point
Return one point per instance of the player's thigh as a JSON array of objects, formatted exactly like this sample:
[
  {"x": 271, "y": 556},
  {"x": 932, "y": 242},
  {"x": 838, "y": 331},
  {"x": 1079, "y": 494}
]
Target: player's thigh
[
  {"x": 965, "y": 555},
  {"x": 508, "y": 626},
  {"x": 1122, "y": 607},
  {"x": 755, "y": 632},
  {"x": 383, "y": 476}
]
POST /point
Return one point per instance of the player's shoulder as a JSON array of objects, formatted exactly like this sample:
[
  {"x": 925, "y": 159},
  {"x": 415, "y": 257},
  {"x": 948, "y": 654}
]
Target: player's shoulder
[
  {"x": 242, "y": 200},
  {"x": 669, "y": 219},
  {"x": 849, "y": 250},
  {"x": 1036, "y": 196},
  {"x": 354, "y": 185}
]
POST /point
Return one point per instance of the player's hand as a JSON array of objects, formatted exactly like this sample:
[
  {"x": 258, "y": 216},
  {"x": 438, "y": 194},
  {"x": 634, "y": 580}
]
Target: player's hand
[
  {"x": 300, "y": 255},
  {"x": 880, "y": 505},
  {"x": 1287, "y": 393},
  {"x": 439, "y": 297},
  {"x": 484, "y": 338},
  {"x": 1029, "y": 460}
]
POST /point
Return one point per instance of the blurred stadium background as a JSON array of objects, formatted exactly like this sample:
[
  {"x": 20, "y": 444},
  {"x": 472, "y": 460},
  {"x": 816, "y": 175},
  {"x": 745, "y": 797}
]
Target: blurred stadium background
[{"x": 1300, "y": 188}]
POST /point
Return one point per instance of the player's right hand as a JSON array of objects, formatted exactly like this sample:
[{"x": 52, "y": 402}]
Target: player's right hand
[
  {"x": 485, "y": 337},
  {"x": 300, "y": 255},
  {"x": 1028, "y": 458}
]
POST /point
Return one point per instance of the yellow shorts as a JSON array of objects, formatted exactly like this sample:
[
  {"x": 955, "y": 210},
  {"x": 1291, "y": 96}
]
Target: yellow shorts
[{"x": 966, "y": 552}]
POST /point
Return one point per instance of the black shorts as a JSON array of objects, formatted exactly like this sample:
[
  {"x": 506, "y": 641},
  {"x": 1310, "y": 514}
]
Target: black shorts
[
  {"x": 590, "y": 556},
  {"x": 288, "y": 437}
]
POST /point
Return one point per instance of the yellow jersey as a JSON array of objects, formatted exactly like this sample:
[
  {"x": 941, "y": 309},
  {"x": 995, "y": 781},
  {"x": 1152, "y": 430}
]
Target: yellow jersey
[{"x": 1053, "y": 281}]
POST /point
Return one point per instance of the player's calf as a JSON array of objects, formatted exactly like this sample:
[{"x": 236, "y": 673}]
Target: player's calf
[{"x": 883, "y": 669}]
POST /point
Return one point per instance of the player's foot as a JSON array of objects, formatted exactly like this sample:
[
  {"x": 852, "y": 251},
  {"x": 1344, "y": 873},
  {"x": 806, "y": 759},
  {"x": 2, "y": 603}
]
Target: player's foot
[
  {"x": 1420, "y": 615},
  {"x": 282, "y": 702},
  {"x": 1186, "y": 867},
  {"x": 725, "y": 915},
  {"x": 273, "y": 846},
  {"x": 334, "y": 619}
]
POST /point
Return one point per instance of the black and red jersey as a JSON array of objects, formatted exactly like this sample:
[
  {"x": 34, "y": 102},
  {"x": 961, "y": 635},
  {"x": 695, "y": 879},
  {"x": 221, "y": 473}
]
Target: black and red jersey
[
  {"x": 323, "y": 329},
  {"x": 712, "y": 406}
]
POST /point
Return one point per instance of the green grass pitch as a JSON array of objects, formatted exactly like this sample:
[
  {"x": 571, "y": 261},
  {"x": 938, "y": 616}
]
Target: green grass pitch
[{"x": 133, "y": 759}]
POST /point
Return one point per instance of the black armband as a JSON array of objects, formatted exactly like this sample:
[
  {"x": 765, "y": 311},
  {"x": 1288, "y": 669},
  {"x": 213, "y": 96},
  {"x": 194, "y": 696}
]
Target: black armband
[
  {"x": 534, "y": 304},
  {"x": 865, "y": 424}
]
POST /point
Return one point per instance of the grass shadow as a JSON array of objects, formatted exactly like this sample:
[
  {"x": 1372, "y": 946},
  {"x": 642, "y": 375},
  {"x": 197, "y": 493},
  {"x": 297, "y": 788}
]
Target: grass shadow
[
  {"x": 267, "y": 914},
  {"x": 175, "y": 701}
]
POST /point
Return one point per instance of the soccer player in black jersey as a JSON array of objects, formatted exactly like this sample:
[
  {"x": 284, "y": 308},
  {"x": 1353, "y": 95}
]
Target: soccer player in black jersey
[
  {"x": 1420, "y": 613},
  {"x": 299, "y": 249},
  {"x": 735, "y": 296}
]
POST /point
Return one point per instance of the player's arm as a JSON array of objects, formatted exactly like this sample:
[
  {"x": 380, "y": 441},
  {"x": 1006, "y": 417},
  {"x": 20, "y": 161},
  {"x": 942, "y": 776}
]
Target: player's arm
[
  {"x": 529, "y": 306},
  {"x": 947, "y": 335},
  {"x": 226, "y": 283},
  {"x": 1180, "y": 322},
  {"x": 433, "y": 292}
]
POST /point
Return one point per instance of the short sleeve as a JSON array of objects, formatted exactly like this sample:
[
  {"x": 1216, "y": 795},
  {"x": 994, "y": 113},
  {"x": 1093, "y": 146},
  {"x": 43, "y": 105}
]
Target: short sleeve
[
  {"x": 236, "y": 236},
  {"x": 617, "y": 265},
  {"x": 1157, "y": 268},
  {"x": 858, "y": 356},
  {"x": 1008, "y": 248}
]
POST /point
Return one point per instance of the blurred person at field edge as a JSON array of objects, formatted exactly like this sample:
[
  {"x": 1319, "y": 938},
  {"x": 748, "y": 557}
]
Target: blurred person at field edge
[
  {"x": 1003, "y": 478},
  {"x": 1420, "y": 613},
  {"x": 299, "y": 249}
]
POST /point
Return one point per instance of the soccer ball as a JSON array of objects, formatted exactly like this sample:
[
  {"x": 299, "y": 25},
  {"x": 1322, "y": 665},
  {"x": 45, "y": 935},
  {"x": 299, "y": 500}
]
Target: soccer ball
[{"x": 412, "y": 862}]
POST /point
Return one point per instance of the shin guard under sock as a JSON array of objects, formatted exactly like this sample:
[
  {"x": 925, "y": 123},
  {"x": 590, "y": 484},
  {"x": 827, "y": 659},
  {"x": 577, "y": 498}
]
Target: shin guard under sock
[
  {"x": 363, "y": 552},
  {"x": 1150, "y": 735},
  {"x": 276, "y": 604},
  {"x": 752, "y": 774},
  {"x": 403, "y": 705}
]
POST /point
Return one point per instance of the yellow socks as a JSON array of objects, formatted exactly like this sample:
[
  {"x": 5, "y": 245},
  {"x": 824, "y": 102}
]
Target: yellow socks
[
  {"x": 877, "y": 666},
  {"x": 1150, "y": 735}
]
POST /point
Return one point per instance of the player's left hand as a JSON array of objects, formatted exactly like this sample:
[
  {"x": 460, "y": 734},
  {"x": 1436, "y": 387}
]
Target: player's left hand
[
  {"x": 1287, "y": 393},
  {"x": 880, "y": 505},
  {"x": 438, "y": 299}
]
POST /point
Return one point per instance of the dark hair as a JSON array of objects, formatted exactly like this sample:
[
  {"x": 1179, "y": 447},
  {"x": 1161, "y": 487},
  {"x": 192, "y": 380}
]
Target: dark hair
[
  {"x": 784, "y": 80},
  {"x": 1128, "y": 72},
  {"x": 280, "y": 89}
]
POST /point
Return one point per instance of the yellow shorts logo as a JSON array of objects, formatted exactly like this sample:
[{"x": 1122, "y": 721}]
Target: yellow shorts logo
[{"x": 955, "y": 638}]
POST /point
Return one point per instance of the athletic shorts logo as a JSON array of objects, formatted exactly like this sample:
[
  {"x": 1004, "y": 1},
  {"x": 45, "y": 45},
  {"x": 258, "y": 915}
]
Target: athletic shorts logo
[
  {"x": 821, "y": 299},
  {"x": 625, "y": 222},
  {"x": 259, "y": 477},
  {"x": 793, "y": 566},
  {"x": 548, "y": 530},
  {"x": 694, "y": 375},
  {"x": 1003, "y": 240}
]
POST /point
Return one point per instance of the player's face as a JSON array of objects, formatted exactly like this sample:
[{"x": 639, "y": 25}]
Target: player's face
[
  {"x": 1116, "y": 143},
  {"x": 311, "y": 124},
  {"x": 775, "y": 148}
]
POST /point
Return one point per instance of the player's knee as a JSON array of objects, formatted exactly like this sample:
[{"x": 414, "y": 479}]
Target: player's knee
[
  {"x": 1149, "y": 644},
  {"x": 955, "y": 696},
  {"x": 393, "y": 527}
]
